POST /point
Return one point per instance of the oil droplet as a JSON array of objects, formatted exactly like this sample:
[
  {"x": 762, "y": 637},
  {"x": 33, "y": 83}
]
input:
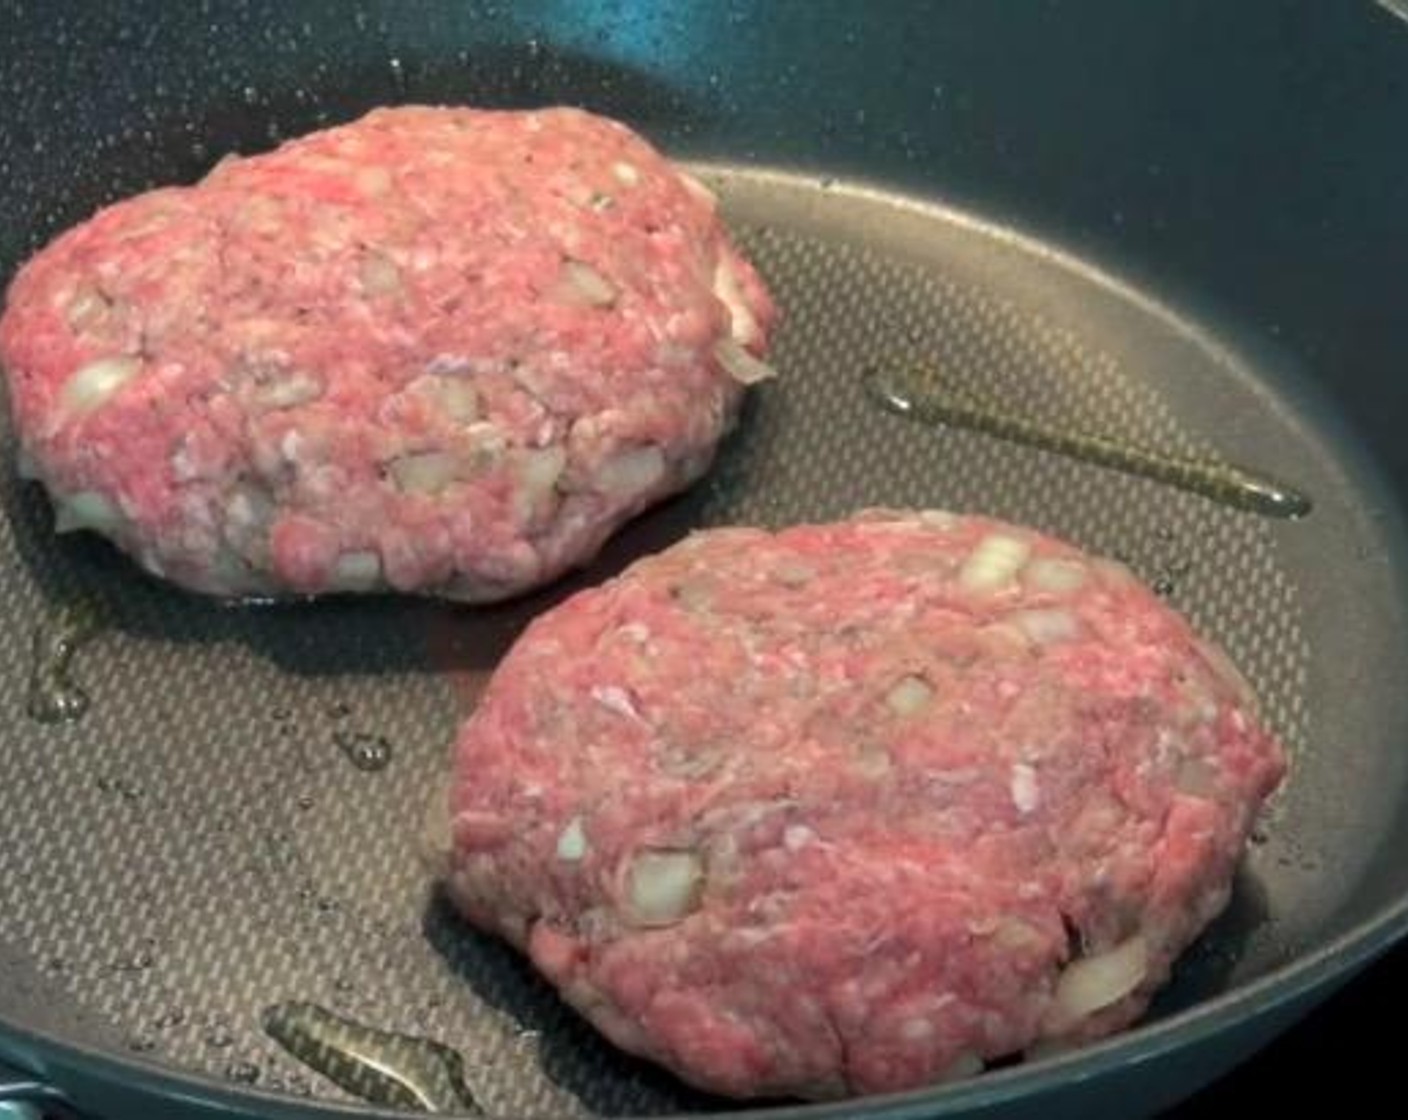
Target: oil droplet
[
  {"x": 219, "y": 1038},
  {"x": 54, "y": 696},
  {"x": 917, "y": 391},
  {"x": 365, "y": 750},
  {"x": 246, "y": 1073},
  {"x": 378, "y": 1066}
]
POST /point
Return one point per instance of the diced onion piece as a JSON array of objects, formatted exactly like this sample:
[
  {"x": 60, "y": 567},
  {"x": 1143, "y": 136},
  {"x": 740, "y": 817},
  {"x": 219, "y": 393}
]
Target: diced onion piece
[
  {"x": 1047, "y": 627},
  {"x": 1003, "y": 639},
  {"x": 290, "y": 391},
  {"x": 249, "y": 507},
  {"x": 616, "y": 699},
  {"x": 1026, "y": 792},
  {"x": 793, "y": 575},
  {"x": 378, "y": 274},
  {"x": 1223, "y": 668},
  {"x": 742, "y": 324},
  {"x": 795, "y": 837},
  {"x": 698, "y": 189},
  {"x": 86, "y": 509},
  {"x": 1047, "y": 1048},
  {"x": 994, "y": 563},
  {"x": 572, "y": 843},
  {"x": 910, "y": 696},
  {"x": 1092, "y": 983},
  {"x": 873, "y": 762},
  {"x": 632, "y": 472},
  {"x": 357, "y": 571},
  {"x": 426, "y": 472},
  {"x": 938, "y": 518},
  {"x": 539, "y": 470},
  {"x": 584, "y": 285},
  {"x": 87, "y": 306},
  {"x": 963, "y": 1066},
  {"x": 741, "y": 365},
  {"x": 1115, "y": 574},
  {"x": 664, "y": 886},
  {"x": 95, "y": 383},
  {"x": 456, "y": 398},
  {"x": 1055, "y": 575},
  {"x": 625, "y": 173},
  {"x": 1195, "y": 777},
  {"x": 1014, "y": 934}
]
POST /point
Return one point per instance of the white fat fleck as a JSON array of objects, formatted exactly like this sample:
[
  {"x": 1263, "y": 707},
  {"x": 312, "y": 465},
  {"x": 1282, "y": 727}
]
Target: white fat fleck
[
  {"x": 994, "y": 563},
  {"x": 572, "y": 843},
  {"x": 183, "y": 467},
  {"x": 797, "y": 836},
  {"x": 290, "y": 444},
  {"x": 625, "y": 173},
  {"x": 635, "y": 631},
  {"x": 618, "y": 700},
  {"x": 938, "y": 518},
  {"x": 1026, "y": 793}
]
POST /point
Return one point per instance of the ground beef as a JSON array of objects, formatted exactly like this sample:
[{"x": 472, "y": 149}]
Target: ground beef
[
  {"x": 857, "y": 807},
  {"x": 437, "y": 350}
]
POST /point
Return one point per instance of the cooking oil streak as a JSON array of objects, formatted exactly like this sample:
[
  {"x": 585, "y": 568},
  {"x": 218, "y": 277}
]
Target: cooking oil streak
[
  {"x": 378, "y": 1066},
  {"x": 54, "y": 696},
  {"x": 916, "y": 391}
]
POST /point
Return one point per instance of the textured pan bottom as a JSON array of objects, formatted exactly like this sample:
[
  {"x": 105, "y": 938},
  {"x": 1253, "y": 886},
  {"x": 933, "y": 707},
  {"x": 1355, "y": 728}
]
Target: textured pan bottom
[{"x": 199, "y": 846}]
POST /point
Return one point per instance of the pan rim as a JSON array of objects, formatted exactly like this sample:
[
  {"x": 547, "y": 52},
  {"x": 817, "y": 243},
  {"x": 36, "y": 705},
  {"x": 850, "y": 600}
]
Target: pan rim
[{"x": 1316, "y": 974}]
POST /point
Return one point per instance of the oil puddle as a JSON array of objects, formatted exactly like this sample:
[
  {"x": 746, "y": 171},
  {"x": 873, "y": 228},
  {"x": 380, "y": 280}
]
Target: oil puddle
[
  {"x": 917, "y": 391},
  {"x": 54, "y": 695},
  {"x": 378, "y": 1066}
]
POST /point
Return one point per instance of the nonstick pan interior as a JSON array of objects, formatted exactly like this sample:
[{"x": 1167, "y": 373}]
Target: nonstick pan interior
[{"x": 202, "y": 843}]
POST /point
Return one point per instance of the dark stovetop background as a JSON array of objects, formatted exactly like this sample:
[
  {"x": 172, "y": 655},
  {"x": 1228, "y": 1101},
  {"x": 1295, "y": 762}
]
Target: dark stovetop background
[{"x": 1349, "y": 1037}]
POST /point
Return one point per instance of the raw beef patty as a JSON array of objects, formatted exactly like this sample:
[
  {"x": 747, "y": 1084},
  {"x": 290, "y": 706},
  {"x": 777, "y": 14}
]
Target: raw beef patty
[
  {"x": 438, "y": 350},
  {"x": 857, "y": 807}
]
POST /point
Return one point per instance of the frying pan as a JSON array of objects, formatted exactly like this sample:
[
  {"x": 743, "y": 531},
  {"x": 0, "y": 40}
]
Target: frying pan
[{"x": 1176, "y": 224}]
